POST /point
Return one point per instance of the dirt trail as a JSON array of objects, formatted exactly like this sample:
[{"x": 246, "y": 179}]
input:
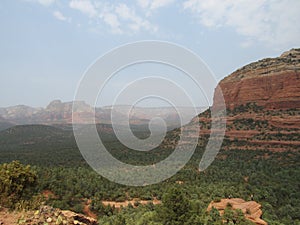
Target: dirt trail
[
  {"x": 87, "y": 211},
  {"x": 9, "y": 218}
]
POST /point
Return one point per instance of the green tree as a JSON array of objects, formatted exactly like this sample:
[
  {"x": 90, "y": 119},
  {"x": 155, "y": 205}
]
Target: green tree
[
  {"x": 194, "y": 220},
  {"x": 176, "y": 207},
  {"x": 16, "y": 180},
  {"x": 214, "y": 216},
  {"x": 119, "y": 220},
  {"x": 148, "y": 218},
  {"x": 235, "y": 217}
]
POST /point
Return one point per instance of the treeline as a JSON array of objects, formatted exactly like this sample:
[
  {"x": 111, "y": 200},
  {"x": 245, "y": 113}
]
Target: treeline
[{"x": 272, "y": 179}]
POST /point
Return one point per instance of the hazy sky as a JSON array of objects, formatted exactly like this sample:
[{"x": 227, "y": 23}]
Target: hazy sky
[{"x": 46, "y": 45}]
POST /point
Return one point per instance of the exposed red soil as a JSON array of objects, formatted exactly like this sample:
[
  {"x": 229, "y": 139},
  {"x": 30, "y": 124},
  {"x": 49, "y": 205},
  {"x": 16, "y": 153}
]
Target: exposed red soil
[
  {"x": 45, "y": 215},
  {"x": 9, "y": 218},
  {"x": 48, "y": 194},
  {"x": 87, "y": 211},
  {"x": 252, "y": 210}
]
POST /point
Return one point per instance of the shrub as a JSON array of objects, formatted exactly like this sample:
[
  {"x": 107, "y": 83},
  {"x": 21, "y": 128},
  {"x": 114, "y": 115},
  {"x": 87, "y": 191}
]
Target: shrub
[{"x": 16, "y": 181}]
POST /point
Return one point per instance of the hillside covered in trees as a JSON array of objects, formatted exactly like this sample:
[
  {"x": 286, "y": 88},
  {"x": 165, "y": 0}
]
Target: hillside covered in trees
[{"x": 258, "y": 162}]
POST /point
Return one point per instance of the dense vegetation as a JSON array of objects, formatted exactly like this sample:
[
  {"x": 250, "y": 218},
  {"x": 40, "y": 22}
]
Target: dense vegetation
[
  {"x": 59, "y": 172},
  {"x": 16, "y": 186},
  {"x": 273, "y": 180}
]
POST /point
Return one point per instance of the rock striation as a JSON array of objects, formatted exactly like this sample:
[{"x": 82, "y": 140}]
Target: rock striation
[
  {"x": 263, "y": 104},
  {"x": 263, "y": 107},
  {"x": 273, "y": 83}
]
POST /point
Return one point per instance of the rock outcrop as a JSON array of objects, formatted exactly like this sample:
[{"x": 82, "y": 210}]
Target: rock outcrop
[
  {"x": 273, "y": 83},
  {"x": 263, "y": 107},
  {"x": 252, "y": 210},
  {"x": 45, "y": 215},
  {"x": 263, "y": 102}
]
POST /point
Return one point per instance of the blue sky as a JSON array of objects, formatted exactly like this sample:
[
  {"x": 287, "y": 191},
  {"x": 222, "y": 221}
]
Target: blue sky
[{"x": 46, "y": 45}]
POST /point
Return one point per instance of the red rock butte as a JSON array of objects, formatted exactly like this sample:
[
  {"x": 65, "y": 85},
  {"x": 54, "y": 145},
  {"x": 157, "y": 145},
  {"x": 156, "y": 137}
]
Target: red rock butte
[{"x": 273, "y": 83}]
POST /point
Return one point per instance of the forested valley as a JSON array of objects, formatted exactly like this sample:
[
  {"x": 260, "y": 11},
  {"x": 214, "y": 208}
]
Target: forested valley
[{"x": 59, "y": 177}]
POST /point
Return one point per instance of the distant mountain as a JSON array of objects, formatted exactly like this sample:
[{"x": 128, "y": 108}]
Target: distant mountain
[
  {"x": 263, "y": 106},
  {"x": 58, "y": 112},
  {"x": 55, "y": 112}
]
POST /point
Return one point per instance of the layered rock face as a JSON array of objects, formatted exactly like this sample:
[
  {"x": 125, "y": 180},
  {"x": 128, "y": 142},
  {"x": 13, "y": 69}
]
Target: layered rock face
[
  {"x": 263, "y": 107},
  {"x": 273, "y": 83},
  {"x": 263, "y": 102}
]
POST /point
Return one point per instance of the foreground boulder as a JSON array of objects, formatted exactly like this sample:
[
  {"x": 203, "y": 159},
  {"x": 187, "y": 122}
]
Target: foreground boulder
[{"x": 45, "y": 215}]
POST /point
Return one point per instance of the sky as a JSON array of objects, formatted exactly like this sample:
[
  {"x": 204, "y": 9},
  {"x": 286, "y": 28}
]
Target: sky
[{"x": 47, "y": 45}]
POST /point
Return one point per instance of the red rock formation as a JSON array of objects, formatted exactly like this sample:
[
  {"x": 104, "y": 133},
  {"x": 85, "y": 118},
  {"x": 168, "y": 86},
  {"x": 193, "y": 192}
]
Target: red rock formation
[
  {"x": 273, "y": 83},
  {"x": 263, "y": 99},
  {"x": 250, "y": 209}
]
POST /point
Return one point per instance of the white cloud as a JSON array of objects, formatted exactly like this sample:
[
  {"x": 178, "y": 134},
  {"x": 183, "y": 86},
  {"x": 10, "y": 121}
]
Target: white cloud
[
  {"x": 113, "y": 21},
  {"x": 136, "y": 22},
  {"x": 273, "y": 22},
  {"x": 42, "y": 2},
  {"x": 154, "y": 4},
  {"x": 46, "y": 2},
  {"x": 84, "y": 6},
  {"x": 121, "y": 18},
  {"x": 143, "y": 3},
  {"x": 58, "y": 15},
  {"x": 124, "y": 12}
]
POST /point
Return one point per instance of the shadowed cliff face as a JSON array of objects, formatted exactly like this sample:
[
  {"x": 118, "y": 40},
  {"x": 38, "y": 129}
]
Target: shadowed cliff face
[{"x": 273, "y": 83}]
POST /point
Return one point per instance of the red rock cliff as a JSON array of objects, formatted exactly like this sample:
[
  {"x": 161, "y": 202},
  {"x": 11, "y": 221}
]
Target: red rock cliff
[{"x": 273, "y": 83}]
